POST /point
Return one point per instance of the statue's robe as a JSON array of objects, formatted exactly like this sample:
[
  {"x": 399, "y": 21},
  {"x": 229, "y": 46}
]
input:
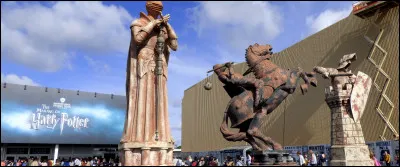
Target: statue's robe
[{"x": 141, "y": 87}]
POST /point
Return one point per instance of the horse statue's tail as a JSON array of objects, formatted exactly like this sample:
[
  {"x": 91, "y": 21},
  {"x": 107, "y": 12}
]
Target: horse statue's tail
[{"x": 229, "y": 135}]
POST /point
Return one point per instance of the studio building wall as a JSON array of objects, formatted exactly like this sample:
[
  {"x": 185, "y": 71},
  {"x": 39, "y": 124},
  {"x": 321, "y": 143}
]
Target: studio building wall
[
  {"x": 305, "y": 119},
  {"x": 37, "y": 121}
]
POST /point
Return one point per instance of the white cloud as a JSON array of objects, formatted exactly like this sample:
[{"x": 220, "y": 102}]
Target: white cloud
[
  {"x": 176, "y": 103},
  {"x": 99, "y": 112},
  {"x": 18, "y": 120},
  {"x": 239, "y": 23},
  {"x": 15, "y": 79},
  {"x": 188, "y": 62},
  {"x": 97, "y": 65},
  {"x": 43, "y": 37},
  {"x": 326, "y": 18}
]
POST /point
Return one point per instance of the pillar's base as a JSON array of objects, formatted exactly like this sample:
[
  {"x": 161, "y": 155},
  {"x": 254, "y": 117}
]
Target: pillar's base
[
  {"x": 350, "y": 155},
  {"x": 146, "y": 154}
]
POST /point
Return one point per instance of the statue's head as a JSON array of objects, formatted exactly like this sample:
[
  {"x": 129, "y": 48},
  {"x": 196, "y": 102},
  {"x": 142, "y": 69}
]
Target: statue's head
[
  {"x": 154, "y": 7},
  {"x": 261, "y": 50}
]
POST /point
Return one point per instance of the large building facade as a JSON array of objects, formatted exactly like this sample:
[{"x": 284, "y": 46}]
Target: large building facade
[
  {"x": 51, "y": 123},
  {"x": 305, "y": 119}
]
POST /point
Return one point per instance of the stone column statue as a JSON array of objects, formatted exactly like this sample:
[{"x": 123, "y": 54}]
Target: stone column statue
[
  {"x": 347, "y": 98},
  {"x": 147, "y": 113}
]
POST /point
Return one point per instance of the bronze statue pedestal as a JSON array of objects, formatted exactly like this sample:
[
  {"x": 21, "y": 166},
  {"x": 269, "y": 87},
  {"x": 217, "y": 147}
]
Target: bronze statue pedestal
[
  {"x": 272, "y": 158},
  {"x": 146, "y": 154}
]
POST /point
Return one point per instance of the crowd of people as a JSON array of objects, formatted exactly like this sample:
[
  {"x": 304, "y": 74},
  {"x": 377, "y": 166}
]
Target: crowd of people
[
  {"x": 385, "y": 161},
  {"x": 213, "y": 161},
  {"x": 33, "y": 161},
  {"x": 311, "y": 159},
  {"x": 306, "y": 159}
]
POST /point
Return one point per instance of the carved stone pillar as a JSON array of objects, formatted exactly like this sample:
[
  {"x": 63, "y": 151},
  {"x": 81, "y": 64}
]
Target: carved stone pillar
[
  {"x": 170, "y": 157},
  {"x": 146, "y": 156},
  {"x": 163, "y": 157},
  {"x": 348, "y": 146}
]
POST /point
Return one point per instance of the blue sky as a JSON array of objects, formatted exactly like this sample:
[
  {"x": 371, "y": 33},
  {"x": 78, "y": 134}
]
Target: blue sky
[{"x": 83, "y": 45}]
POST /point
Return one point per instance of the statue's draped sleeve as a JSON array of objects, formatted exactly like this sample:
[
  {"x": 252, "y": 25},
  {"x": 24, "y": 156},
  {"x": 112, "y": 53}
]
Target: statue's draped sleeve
[
  {"x": 140, "y": 32},
  {"x": 130, "y": 83},
  {"x": 172, "y": 41}
]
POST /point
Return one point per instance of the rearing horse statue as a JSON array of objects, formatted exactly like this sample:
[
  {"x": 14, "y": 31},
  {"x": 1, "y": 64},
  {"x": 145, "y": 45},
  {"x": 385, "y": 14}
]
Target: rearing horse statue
[{"x": 255, "y": 97}]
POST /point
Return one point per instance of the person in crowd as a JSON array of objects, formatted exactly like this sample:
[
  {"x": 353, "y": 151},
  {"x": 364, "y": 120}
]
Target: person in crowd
[
  {"x": 44, "y": 163},
  {"x": 207, "y": 160},
  {"x": 323, "y": 159},
  {"x": 18, "y": 162},
  {"x": 213, "y": 162},
  {"x": 83, "y": 162},
  {"x": 373, "y": 158},
  {"x": 238, "y": 161},
  {"x": 94, "y": 162},
  {"x": 190, "y": 158},
  {"x": 66, "y": 163},
  {"x": 230, "y": 161},
  {"x": 77, "y": 162},
  {"x": 3, "y": 163},
  {"x": 225, "y": 162},
  {"x": 174, "y": 160},
  {"x": 50, "y": 162},
  {"x": 179, "y": 162},
  {"x": 30, "y": 161},
  {"x": 387, "y": 159},
  {"x": 313, "y": 161},
  {"x": 57, "y": 163},
  {"x": 302, "y": 161},
  {"x": 112, "y": 162},
  {"x": 195, "y": 162},
  {"x": 188, "y": 161},
  {"x": 71, "y": 161},
  {"x": 24, "y": 163},
  {"x": 248, "y": 160},
  {"x": 35, "y": 162},
  {"x": 202, "y": 162},
  {"x": 104, "y": 162},
  {"x": 306, "y": 160}
]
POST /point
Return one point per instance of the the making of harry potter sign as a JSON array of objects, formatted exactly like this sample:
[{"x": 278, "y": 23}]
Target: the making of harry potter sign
[{"x": 45, "y": 115}]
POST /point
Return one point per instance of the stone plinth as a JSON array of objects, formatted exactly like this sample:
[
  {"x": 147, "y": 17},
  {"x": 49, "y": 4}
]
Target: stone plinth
[
  {"x": 272, "y": 158},
  {"x": 146, "y": 154},
  {"x": 348, "y": 146}
]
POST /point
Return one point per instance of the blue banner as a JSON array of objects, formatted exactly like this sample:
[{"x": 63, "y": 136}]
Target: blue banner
[{"x": 41, "y": 115}]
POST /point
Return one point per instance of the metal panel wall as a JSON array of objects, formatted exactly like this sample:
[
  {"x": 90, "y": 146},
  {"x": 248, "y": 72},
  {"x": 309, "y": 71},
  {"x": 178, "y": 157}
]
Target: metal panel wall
[{"x": 307, "y": 118}]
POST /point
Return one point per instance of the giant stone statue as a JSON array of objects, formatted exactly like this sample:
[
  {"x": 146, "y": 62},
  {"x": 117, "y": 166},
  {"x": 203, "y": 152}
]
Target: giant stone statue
[
  {"x": 253, "y": 98},
  {"x": 146, "y": 138}
]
